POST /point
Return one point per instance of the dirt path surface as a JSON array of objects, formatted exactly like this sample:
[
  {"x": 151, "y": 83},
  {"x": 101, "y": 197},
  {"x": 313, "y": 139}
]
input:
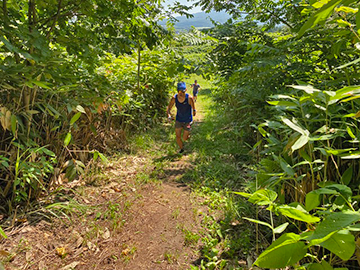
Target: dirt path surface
[
  {"x": 164, "y": 223},
  {"x": 120, "y": 219}
]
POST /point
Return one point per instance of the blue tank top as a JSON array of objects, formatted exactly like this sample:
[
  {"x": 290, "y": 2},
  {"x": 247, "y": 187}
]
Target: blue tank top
[
  {"x": 184, "y": 110},
  {"x": 195, "y": 87}
]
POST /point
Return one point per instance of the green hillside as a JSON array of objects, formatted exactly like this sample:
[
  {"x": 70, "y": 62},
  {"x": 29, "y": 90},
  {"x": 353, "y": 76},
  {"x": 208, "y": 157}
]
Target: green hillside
[{"x": 199, "y": 20}]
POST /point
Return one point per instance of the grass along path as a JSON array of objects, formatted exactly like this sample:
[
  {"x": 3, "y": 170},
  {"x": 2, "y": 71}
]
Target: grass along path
[{"x": 148, "y": 209}]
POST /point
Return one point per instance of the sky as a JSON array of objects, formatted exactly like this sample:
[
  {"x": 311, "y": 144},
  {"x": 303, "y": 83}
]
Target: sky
[{"x": 184, "y": 2}]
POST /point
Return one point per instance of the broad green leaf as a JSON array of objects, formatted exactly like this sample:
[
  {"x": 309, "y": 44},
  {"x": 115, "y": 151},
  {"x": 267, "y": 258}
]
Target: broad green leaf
[
  {"x": 352, "y": 156},
  {"x": 32, "y": 111},
  {"x": 354, "y": 228},
  {"x": 342, "y": 244},
  {"x": 312, "y": 199},
  {"x": 80, "y": 109},
  {"x": 286, "y": 167},
  {"x": 71, "y": 172},
  {"x": 8, "y": 45},
  {"x": 96, "y": 155},
  {"x": 339, "y": 151},
  {"x": 282, "y": 96},
  {"x": 282, "y": 103},
  {"x": 262, "y": 131},
  {"x": 287, "y": 250},
  {"x": 320, "y": 107},
  {"x": 320, "y": 3},
  {"x": 343, "y": 189},
  {"x": 67, "y": 139},
  {"x": 343, "y": 23},
  {"x": 103, "y": 158},
  {"x": 319, "y": 16},
  {"x": 79, "y": 163},
  {"x": 263, "y": 197},
  {"x": 323, "y": 137},
  {"x": 301, "y": 163},
  {"x": 318, "y": 241},
  {"x": 300, "y": 142},
  {"x": 335, "y": 222},
  {"x": 295, "y": 127},
  {"x": 290, "y": 141},
  {"x": 320, "y": 266},
  {"x": 75, "y": 118},
  {"x": 347, "y": 176},
  {"x": 330, "y": 93},
  {"x": 351, "y": 134},
  {"x": 244, "y": 194},
  {"x": 309, "y": 89},
  {"x": 297, "y": 214},
  {"x": 350, "y": 98},
  {"x": 259, "y": 222},
  {"x": 345, "y": 92},
  {"x": 356, "y": 115},
  {"x": 48, "y": 152},
  {"x": 347, "y": 9},
  {"x": 257, "y": 144},
  {"x": 281, "y": 228},
  {"x": 41, "y": 84}
]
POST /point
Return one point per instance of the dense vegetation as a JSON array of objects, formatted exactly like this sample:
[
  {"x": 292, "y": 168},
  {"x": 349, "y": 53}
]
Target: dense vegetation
[
  {"x": 77, "y": 77},
  {"x": 297, "y": 87}
]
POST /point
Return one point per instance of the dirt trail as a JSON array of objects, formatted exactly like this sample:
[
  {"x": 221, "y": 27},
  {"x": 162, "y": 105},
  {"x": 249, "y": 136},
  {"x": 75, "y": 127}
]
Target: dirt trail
[
  {"x": 167, "y": 220},
  {"x": 164, "y": 223},
  {"x": 122, "y": 224}
]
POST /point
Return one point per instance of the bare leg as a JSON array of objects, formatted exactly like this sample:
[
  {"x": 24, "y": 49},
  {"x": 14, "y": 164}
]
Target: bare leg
[
  {"x": 178, "y": 137},
  {"x": 186, "y": 135}
]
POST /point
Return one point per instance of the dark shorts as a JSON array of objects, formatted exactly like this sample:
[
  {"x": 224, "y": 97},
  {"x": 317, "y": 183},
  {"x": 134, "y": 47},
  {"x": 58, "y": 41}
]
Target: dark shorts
[
  {"x": 195, "y": 94},
  {"x": 183, "y": 125}
]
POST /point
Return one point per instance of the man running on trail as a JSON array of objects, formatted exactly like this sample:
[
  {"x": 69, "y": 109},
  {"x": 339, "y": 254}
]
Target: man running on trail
[
  {"x": 185, "y": 110},
  {"x": 196, "y": 89}
]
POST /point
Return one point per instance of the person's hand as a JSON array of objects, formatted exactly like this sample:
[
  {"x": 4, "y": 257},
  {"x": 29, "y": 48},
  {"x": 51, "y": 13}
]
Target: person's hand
[{"x": 194, "y": 112}]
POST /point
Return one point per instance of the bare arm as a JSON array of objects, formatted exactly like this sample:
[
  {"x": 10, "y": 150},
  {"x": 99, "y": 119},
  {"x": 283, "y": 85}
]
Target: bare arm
[
  {"x": 171, "y": 104},
  {"x": 192, "y": 104}
]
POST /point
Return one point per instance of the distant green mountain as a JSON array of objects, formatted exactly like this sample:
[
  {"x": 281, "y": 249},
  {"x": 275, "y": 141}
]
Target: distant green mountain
[{"x": 200, "y": 20}]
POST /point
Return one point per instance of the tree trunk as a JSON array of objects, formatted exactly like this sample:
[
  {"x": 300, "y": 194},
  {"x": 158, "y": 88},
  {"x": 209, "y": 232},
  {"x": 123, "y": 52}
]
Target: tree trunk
[
  {"x": 138, "y": 67},
  {"x": 28, "y": 92}
]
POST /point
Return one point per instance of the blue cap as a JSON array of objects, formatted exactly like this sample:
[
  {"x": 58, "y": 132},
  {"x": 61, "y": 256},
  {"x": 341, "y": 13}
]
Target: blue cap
[{"x": 181, "y": 86}]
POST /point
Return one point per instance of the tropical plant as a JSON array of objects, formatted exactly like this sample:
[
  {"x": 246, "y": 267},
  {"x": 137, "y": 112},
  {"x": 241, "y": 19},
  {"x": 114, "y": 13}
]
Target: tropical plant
[
  {"x": 327, "y": 228},
  {"x": 309, "y": 147}
]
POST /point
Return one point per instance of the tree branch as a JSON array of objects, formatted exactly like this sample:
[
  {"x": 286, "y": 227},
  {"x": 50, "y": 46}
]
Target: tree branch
[
  {"x": 55, "y": 19},
  {"x": 5, "y": 10},
  {"x": 272, "y": 13}
]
